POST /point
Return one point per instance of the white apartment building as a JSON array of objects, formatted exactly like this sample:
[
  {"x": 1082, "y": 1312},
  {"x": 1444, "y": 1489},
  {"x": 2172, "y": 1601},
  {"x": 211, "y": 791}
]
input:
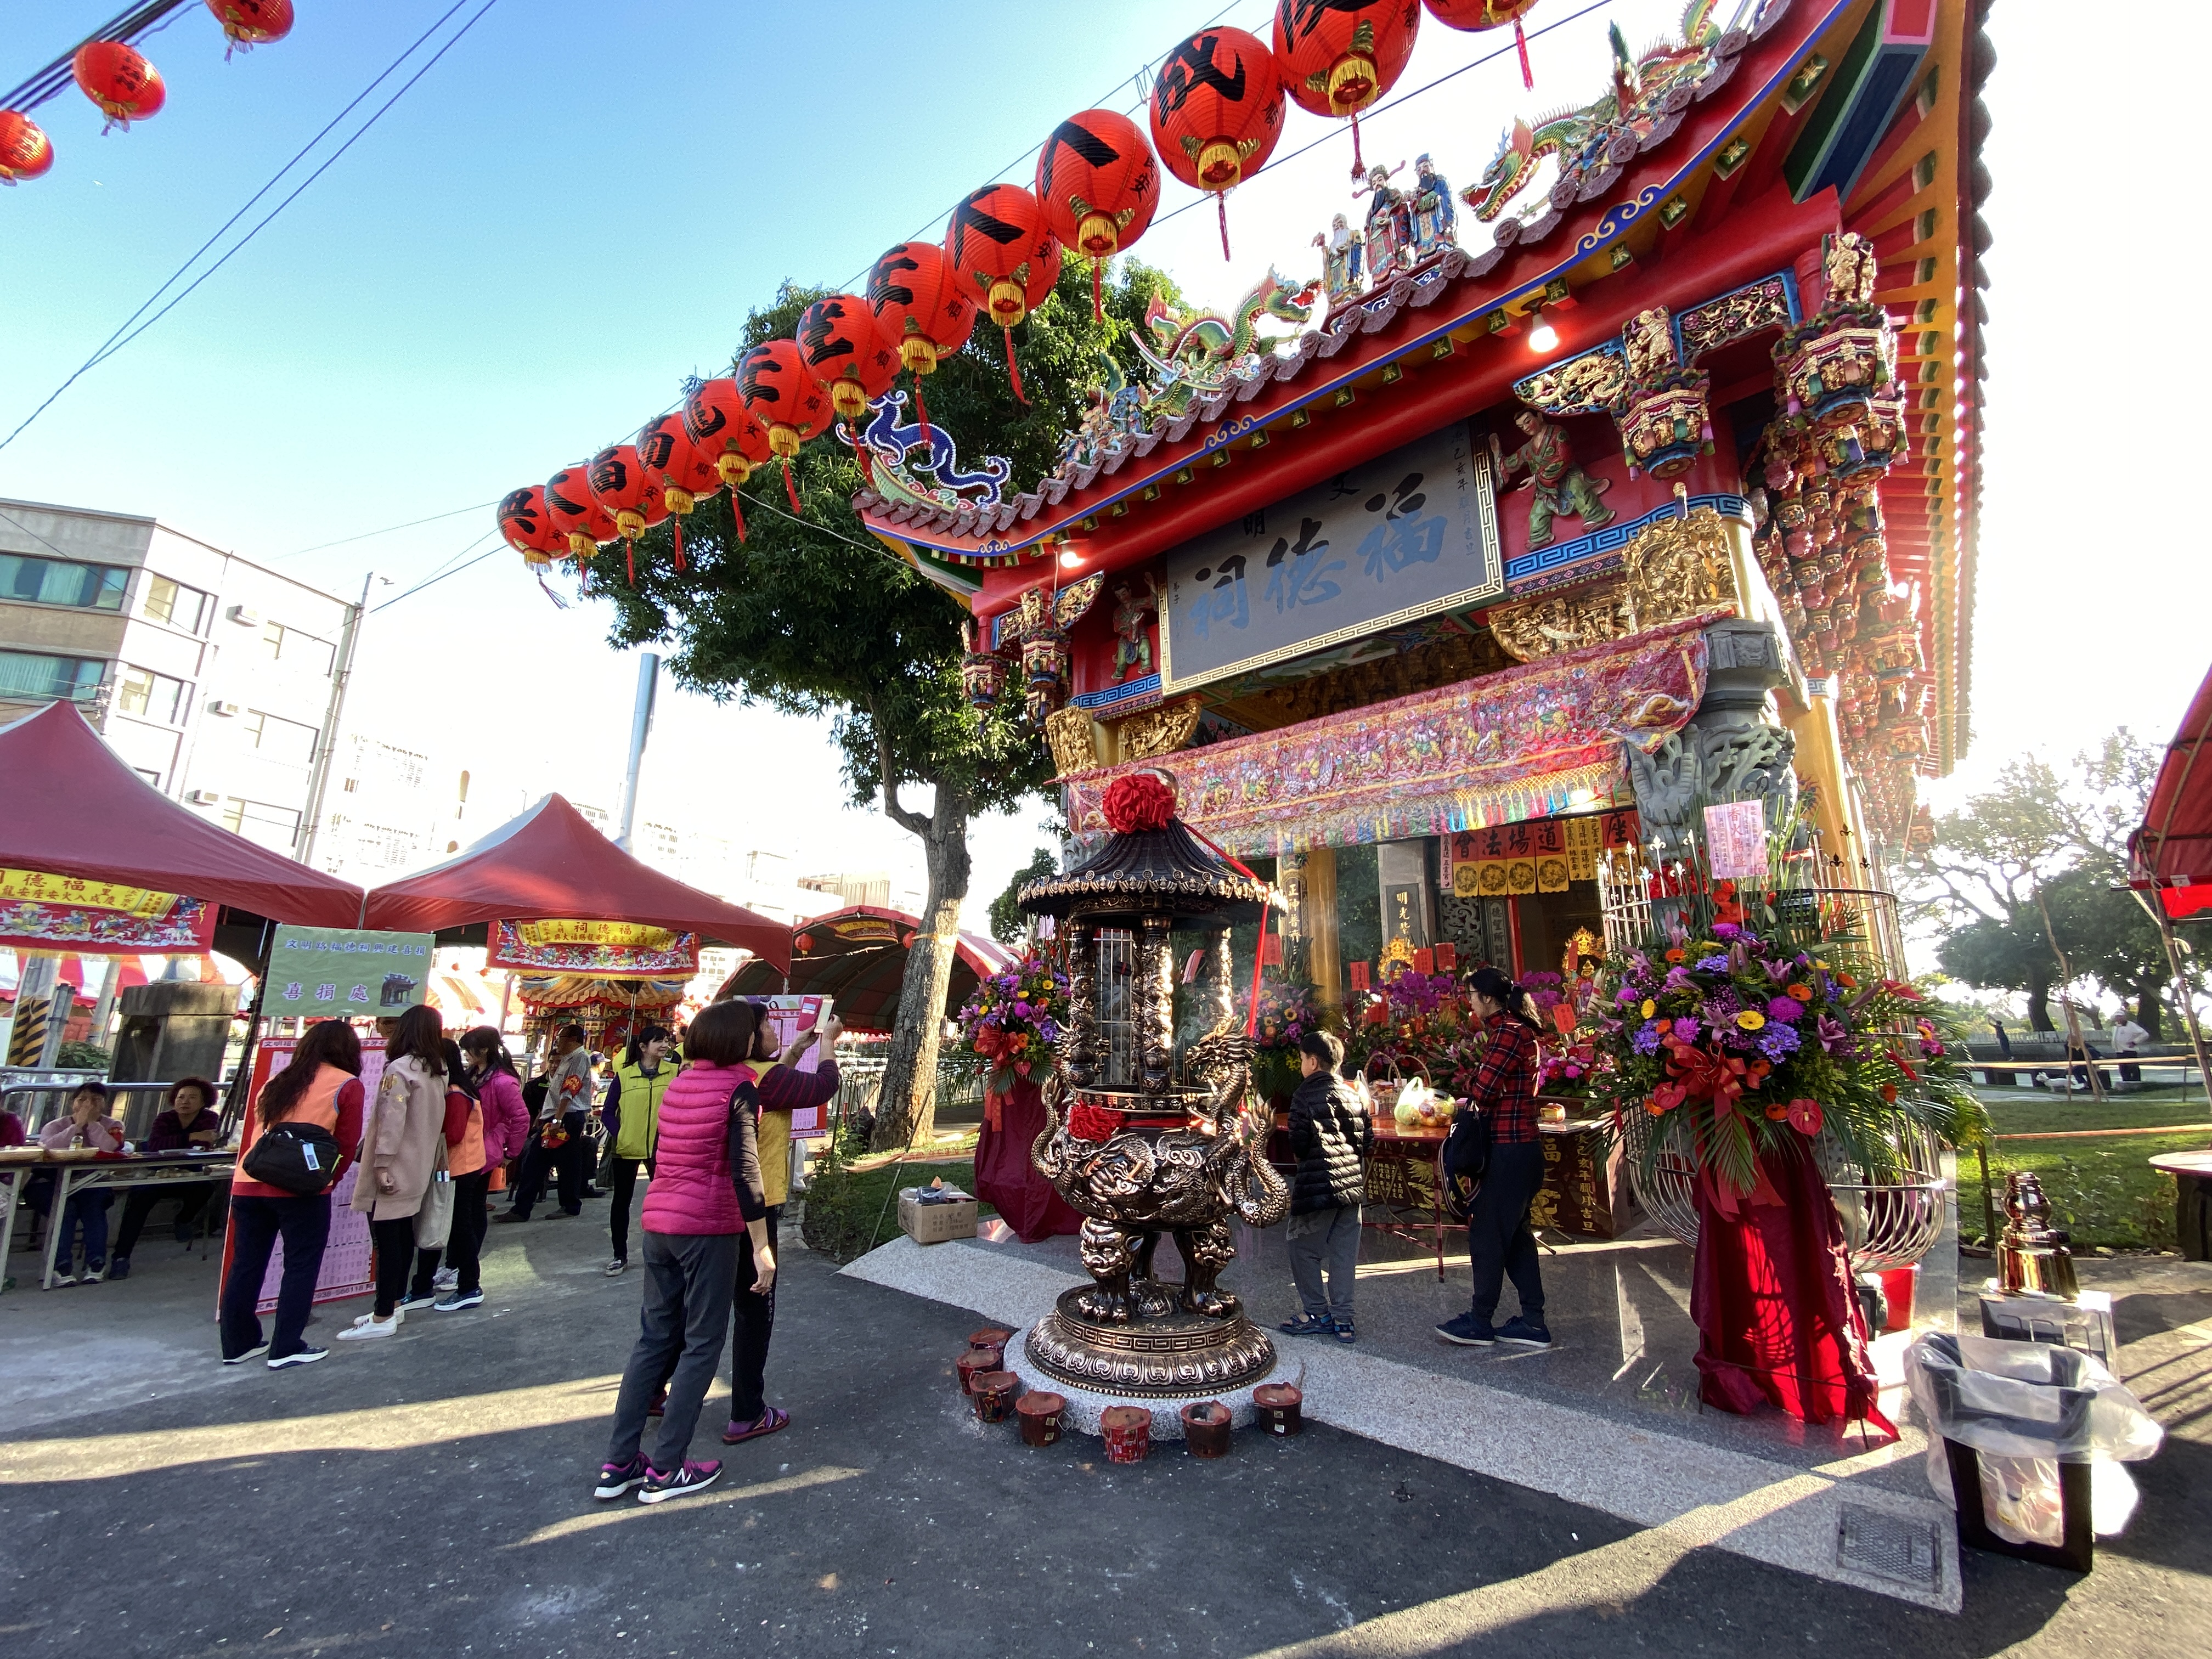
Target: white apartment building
[{"x": 214, "y": 677}]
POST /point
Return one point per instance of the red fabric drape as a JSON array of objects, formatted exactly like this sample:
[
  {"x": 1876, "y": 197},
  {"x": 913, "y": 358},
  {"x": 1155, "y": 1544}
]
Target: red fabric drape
[
  {"x": 1771, "y": 1295},
  {"x": 1005, "y": 1177}
]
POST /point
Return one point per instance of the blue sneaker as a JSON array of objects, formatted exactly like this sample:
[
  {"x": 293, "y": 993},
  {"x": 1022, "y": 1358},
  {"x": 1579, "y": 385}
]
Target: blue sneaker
[
  {"x": 615, "y": 1479},
  {"x": 1523, "y": 1332},
  {"x": 690, "y": 1477},
  {"x": 1307, "y": 1325},
  {"x": 1467, "y": 1332}
]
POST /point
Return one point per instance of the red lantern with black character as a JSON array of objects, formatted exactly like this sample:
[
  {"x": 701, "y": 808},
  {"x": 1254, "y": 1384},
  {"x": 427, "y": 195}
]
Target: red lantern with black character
[
  {"x": 250, "y": 23},
  {"x": 1339, "y": 56},
  {"x": 1475, "y": 15},
  {"x": 25, "y": 151},
  {"x": 617, "y": 476},
  {"x": 116, "y": 77},
  {"x": 850, "y": 359},
  {"x": 786, "y": 399},
  {"x": 1004, "y": 258},
  {"x": 678, "y": 470},
  {"x": 1098, "y": 183},
  {"x": 722, "y": 427},
  {"x": 577, "y": 515},
  {"x": 527, "y": 527},
  {"x": 1217, "y": 113},
  {"x": 922, "y": 309}
]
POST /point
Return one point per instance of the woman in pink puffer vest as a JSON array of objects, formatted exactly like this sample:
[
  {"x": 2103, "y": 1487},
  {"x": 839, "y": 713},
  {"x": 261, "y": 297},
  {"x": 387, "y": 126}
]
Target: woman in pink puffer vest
[{"x": 706, "y": 1192}]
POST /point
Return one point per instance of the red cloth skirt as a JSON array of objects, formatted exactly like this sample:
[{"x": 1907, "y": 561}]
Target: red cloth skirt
[{"x": 1005, "y": 1177}]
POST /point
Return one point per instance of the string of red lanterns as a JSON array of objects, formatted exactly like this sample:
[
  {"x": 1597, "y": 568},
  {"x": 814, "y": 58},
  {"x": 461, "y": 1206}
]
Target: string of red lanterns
[{"x": 1215, "y": 116}]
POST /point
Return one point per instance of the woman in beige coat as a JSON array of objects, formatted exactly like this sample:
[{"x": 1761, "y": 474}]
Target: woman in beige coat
[{"x": 398, "y": 1159}]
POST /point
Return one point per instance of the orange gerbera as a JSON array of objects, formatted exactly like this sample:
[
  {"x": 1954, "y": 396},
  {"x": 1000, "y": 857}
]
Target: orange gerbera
[
  {"x": 1802, "y": 993},
  {"x": 1678, "y": 954}
]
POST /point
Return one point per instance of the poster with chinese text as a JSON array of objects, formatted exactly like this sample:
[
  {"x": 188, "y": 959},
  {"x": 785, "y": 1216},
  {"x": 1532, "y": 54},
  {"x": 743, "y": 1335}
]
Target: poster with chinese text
[
  {"x": 1735, "y": 840},
  {"x": 341, "y": 970}
]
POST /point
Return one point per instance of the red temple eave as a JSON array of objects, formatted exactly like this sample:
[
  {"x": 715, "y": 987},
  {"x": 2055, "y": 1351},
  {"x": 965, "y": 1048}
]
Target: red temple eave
[{"x": 1407, "y": 368}]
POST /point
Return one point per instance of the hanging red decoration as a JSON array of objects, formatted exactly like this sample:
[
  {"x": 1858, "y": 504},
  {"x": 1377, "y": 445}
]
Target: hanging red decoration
[
  {"x": 577, "y": 515},
  {"x": 1138, "y": 802},
  {"x": 678, "y": 470},
  {"x": 722, "y": 427},
  {"x": 1098, "y": 183},
  {"x": 848, "y": 356},
  {"x": 25, "y": 151},
  {"x": 125, "y": 85},
  {"x": 784, "y": 397},
  {"x": 250, "y": 23},
  {"x": 1339, "y": 56},
  {"x": 1217, "y": 113},
  {"x": 1474, "y": 15},
  {"x": 921, "y": 308},
  {"x": 617, "y": 476},
  {"x": 1004, "y": 258},
  {"x": 527, "y": 527}
]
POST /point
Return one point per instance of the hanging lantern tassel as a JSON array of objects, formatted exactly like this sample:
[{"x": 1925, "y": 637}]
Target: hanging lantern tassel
[
  {"x": 1358, "y": 167},
  {"x": 790, "y": 491},
  {"x": 738, "y": 512},
  {"x": 1097, "y": 291},
  {"x": 675, "y": 529},
  {"x": 922, "y": 409},
  {"x": 1221, "y": 207},
  {"x": 1521, "y": 44},
  {"x": 851, "y": 431},
  {"x": 559, "y": 603},
  {"x": 1014, "y": 370},
  {"x": 629, "y": 558}
]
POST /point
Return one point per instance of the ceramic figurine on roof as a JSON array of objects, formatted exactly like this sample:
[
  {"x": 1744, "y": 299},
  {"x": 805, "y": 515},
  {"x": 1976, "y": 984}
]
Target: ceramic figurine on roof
[
  {"x": 1341, "y": 251},
  {"x": 1559, "y": 485},
  {"x": 1436, "y": 217},
  {"x": 1118, "y": 410},
  {"x": 1390, "y": 224},
  {"x": 1662, "y": 413},
  {"x": 1194, "y": 355},
  {"x": 1592, "y": 144},
  {"x": 942, "y": 481},
  {"x": 1133, "y": 640}
]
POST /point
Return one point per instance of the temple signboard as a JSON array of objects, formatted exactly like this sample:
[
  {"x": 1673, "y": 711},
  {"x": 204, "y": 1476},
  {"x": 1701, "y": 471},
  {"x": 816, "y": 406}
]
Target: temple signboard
[{"x": 1407, "y": 535}]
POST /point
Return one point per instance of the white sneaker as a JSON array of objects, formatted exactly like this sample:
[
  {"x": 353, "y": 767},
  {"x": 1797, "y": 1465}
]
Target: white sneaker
[
  {"x": 614, "y": 1268},
  {"x": 399, "y": 1317},
  {"x": 362, "y": 1330},
  {"x": 446, "y": 1279}
]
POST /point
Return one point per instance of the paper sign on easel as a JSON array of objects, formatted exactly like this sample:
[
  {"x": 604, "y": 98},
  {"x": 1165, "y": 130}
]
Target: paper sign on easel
[{"x": 1735, "y": 840}]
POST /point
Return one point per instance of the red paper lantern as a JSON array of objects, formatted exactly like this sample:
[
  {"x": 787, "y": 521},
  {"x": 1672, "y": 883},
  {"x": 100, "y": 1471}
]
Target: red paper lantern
[
  {"x": 1474, "y": 15},
  {"x": 1217, "y": 113},
  {"x": 784, "y": 397},
  {"x": 722, "y": 427},
  {"x": 250, "y": 23},
  {"x": 678, "y": 470},
  {"x": 1339, "y": 56},
  {"x": 849, "y": 356},
  {"x": 527, "y": 527},
  {"x": 1098, "y": 183},
  {"x": 1004, "y": 258},
  {"x": 25, "y": 151},
  {"x": 617, "y": 476},
  {"x": 922, "y": 309},
  {"x": 576, "y": 512},
  {"x": 125, "y": 85}
]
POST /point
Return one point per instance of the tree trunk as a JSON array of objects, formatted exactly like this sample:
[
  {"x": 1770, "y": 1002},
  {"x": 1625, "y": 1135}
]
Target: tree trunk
[
  {"x": 2150, "y": 1004},
  {"x": 906, "y": 1112},
  {"x": 2039, "y": 1001}
]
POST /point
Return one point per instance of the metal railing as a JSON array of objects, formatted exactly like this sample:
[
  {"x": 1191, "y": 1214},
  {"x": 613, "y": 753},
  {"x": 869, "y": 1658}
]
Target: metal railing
[{"x": 37, "y": 1097}]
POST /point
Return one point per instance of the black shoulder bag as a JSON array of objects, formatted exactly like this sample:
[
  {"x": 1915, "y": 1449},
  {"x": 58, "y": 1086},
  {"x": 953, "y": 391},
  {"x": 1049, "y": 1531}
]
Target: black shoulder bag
[{"x": 299, "y": 1157}]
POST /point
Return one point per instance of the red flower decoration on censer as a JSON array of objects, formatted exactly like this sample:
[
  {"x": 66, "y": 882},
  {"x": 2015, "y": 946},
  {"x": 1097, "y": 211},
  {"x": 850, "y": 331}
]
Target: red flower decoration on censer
[
  {"x": 1092, "y": 1123},
  {"x": 1139, "y": 801}
]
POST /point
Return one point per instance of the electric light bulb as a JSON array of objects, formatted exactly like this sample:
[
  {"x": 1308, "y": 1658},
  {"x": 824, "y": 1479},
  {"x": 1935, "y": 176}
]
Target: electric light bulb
[
  {"x": 1071, "y": 558},
  {"x": 1543, "y": 336}
]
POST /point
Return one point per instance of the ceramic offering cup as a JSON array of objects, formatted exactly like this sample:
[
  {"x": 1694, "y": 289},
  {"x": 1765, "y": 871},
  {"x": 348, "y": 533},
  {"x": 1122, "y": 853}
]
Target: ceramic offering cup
[
  {"x": 1276, "y": 1404},
  {"x": 1128, "y": 1433},
  {"x": 1205, "y": 1429},
  {"x": 1041, "y": 1414},
  {"x": 974, "y": 1362},
  {"x": 995, "y": 1395}
]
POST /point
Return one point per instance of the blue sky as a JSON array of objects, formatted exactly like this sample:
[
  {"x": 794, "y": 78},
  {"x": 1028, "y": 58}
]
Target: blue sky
[{"x": 577, "y": 206}]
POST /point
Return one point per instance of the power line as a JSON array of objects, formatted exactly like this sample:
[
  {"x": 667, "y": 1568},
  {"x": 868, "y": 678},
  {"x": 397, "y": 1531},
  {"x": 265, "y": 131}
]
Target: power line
[
  {"x": 32, "y": 533},
  {"x": 390, "y": 529},
  {"x": 129, "y": 27},
  {"x": 431, "y": 581},
  {"x": 117, "y": 341}
]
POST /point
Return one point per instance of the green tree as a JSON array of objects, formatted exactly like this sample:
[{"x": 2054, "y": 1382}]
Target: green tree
[
  {"x": 811, "y": 616},
  {"x": 1009, "y": 925}
]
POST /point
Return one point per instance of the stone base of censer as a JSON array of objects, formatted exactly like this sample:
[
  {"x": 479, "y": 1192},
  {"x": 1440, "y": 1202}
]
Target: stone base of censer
[
  {"x": 1085, "y": 1405},
  {"x": 1165, "y": 1354}
]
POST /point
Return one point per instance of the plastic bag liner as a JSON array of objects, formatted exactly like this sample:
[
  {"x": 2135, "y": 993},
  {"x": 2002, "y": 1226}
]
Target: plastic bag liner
[{"x": 2025, "y": 1407}]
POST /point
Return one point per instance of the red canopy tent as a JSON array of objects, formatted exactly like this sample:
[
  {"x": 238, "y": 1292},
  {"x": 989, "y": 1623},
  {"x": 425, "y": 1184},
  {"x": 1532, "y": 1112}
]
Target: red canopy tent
[
  {"x": 858, "y": 955},
  {"x": 550, "y": 863},
  {"x": 75, "y": 809},
  {"x": 2174, "y": 849}
]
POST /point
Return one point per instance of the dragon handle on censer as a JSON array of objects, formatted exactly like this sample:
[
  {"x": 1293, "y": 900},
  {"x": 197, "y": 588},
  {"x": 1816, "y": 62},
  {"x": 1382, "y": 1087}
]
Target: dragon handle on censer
[{"x": 1145, "y": 1128}]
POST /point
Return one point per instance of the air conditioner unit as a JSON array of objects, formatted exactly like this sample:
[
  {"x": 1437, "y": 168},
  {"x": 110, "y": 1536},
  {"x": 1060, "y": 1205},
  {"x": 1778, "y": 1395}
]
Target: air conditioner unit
[
  {"x": 245, "y": 615},
  {"x": 228, "y": 710},
  {"x": 204, "y": 797}
]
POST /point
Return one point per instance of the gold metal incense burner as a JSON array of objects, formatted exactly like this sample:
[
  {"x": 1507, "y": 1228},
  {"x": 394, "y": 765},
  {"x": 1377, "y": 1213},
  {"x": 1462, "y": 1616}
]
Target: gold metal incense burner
[{"x": 1145, "y": 1128}]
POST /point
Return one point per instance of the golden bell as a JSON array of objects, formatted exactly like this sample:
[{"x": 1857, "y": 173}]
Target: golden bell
[
  {"x": 1352, "y": 83},
  {"x": 849, "y": 399},
  {"x": 918, "y": 353},
  {"x": 734, "y": 468},
  {"x": 1220, "y": 166},
  {"x": 678, "y": 500},
  {"x": 1008, "y": 304},
  {"x": 783, "y": 440},
  {"x": 1098, "y": 235}
]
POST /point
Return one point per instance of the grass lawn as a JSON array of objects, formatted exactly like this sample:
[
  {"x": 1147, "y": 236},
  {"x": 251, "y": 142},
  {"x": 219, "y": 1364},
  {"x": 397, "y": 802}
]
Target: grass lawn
[
  {"x": 2105, "y": 1190},
  {"x": 855, "y": 1210}
]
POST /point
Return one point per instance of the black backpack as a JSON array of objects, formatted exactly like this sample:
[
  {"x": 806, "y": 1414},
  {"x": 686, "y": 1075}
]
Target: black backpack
[{"x": 299, "y": 1157}]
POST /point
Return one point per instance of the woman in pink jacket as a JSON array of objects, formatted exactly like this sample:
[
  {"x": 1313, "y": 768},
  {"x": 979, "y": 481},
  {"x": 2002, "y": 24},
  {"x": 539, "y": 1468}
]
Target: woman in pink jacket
[{"x": 705, "y": 1194}]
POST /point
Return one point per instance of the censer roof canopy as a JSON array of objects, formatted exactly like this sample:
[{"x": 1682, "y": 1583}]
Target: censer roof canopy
[{"x": 1151, "y": 865}]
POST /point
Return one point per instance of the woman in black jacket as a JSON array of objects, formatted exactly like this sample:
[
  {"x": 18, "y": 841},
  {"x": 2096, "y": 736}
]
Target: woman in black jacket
[{"x": 1330, "y": 1135}]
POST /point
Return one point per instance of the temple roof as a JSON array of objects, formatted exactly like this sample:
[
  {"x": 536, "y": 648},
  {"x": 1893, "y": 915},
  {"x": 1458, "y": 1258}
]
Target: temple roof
[{"x": 1847, "y": 115}]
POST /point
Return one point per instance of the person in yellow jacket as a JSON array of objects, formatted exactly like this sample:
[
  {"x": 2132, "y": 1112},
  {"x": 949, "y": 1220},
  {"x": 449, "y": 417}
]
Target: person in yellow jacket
[{"x": 631, "y": 1113}]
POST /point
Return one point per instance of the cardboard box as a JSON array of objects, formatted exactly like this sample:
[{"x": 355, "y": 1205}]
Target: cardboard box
[{"x": 933, "y": 1223}]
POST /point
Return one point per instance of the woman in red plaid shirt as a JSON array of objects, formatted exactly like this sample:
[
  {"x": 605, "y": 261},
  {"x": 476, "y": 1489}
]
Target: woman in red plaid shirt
[{"x": 1498, "y": 1242}]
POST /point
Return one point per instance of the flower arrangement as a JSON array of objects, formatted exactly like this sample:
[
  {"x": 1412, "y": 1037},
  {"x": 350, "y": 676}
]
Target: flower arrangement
[
  {"x": 1411, "y": 1019},
  {"x": 1286, "y": 1014},
  {"x": 1737, "y": 1044},
  {"x": 1013, "y": 1020}
]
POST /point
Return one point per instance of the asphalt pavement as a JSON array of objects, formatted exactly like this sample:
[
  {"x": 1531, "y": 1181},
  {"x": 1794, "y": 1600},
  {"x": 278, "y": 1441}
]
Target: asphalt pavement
[{"x": 430, "y": 1495}]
